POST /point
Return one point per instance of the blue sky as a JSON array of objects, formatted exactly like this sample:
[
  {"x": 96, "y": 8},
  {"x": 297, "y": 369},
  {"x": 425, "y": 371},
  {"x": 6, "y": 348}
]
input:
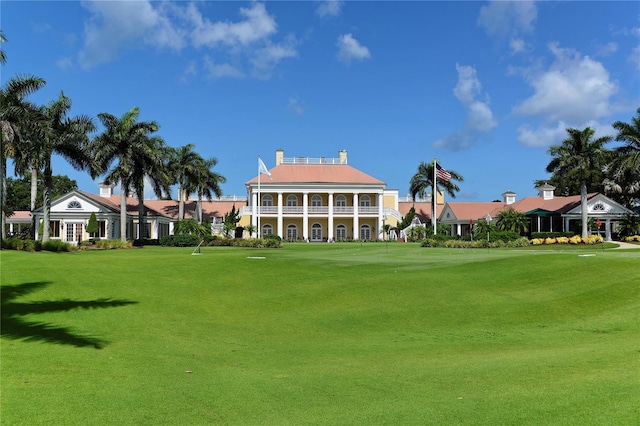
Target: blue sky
[{"x": 485, "y": 87}]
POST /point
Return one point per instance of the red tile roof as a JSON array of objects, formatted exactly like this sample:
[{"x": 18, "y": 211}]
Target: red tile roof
[
  {"x": 423, "y": 209},
  {"x": 475, "y": 210},
  {"x": 316, "y": 173}
]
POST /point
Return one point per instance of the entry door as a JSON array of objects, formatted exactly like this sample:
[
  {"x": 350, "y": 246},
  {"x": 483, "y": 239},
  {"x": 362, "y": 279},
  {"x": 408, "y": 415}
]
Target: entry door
[
  {"x": 316, "y": 232},
  {"x": 74, "y": 232}
]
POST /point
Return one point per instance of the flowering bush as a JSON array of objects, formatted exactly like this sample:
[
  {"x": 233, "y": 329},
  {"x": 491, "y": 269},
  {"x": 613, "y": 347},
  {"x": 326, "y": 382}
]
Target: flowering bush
[
  {"x": 633, "y": 238},
  {"x": 576, "y": 239},
  {"x": 593, "y": 239}
]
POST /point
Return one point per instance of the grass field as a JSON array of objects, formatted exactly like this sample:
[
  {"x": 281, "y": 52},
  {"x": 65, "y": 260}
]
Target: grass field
[{"x": 326, "y": 334}]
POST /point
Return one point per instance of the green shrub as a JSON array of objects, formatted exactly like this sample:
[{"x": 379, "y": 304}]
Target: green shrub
[
  {"x": 57, "y": 246},
  {"x": 182, "y": 240}
]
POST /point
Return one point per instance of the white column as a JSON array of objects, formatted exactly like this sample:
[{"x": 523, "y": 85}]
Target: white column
[
  {"x": 380, "y": 215},
  {"x": 254, "y": 212},
  {"x": 330, "y": 235},
  {"x": 458, "y": 229},
  {"x": 280, "y": 230},
  {"x": 305, "y": 216},
  {"x": 607, "y": 229},
  {"x": 356, "y": 221}
]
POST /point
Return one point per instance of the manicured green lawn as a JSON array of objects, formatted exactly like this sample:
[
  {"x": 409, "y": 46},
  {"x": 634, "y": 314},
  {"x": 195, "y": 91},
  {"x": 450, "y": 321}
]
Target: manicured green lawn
[{"x": 321, "y": 334}]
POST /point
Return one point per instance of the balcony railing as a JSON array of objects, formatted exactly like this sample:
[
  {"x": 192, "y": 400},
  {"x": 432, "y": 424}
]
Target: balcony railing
[{"x": 312, "y": 210}]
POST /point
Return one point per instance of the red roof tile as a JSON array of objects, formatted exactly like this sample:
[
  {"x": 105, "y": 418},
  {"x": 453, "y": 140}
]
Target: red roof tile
[{"x": 316, "y": 173}]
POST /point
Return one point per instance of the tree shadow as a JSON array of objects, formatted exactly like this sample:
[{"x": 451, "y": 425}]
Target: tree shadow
[{"x": 15, "y": 327}]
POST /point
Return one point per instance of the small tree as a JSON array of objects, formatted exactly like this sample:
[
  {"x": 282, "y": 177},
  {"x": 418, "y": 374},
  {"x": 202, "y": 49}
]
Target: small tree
[
  {"x": 250, "y": 229},
  {"x": 511, "y": 220},
  {"x": 230, "y": 221},
  {"x": 92, "y": 226}
]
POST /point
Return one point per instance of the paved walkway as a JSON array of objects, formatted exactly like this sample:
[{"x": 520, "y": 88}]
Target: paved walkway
[{"x": 625, "y": 245}]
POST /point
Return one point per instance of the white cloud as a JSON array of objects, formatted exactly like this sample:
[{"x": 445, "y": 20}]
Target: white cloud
[
  {"x": 114, "y": 25},
  {"x": 245, "y": 43},
  {"x": 350, "y": 49},
  {"x": 574, "y": 88},
  {"x": 258, "y": 25},
  {"x": 479, "y": 115},
  {"x": 329, "y": 8},
  {"x": 215, "y": 70},
  {"x": 505, "y": 18},
  {"x": 271, "y": 54},
  {"x": 517, "y": 45},
  {"x": 543, "y": 136},
  {"x": 468, "y": 85},
  {"x": 295, "y": 105},
  {"x": 546, "y": 135},
  {"x": 634, "y": 57}
]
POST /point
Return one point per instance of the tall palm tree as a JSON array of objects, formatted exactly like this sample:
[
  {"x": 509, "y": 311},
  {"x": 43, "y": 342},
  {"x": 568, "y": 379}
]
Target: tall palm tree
[
  {"x": 149, "y": 162},
  {"x": 423, "y": 179},
  {"x": 624, "y": 170},
  {"x": 16, "y": 113},
  {"x": 184, "y": 166},
  {"x": 206, "y": 183},
  {"x": 577, "y": 157},
  {"x": 65, "y": 136},
  {"x": 116, "y": 144}
]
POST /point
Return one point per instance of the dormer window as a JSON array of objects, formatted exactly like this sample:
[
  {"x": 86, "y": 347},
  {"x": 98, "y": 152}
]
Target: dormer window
[{"x": 74, "y": 205}]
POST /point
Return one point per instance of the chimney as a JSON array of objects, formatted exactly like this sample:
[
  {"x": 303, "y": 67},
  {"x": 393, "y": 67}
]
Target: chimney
[
  {"x": 279, "y": 156},
  {"x": 343, "y": 156},
  {"x": 546, "y": 191},
  {"x": 509, "y": 197},
  {"x": 106, "y": 190}
]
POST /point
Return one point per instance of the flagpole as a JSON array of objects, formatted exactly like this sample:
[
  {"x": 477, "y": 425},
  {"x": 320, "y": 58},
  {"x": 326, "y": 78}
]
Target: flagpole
[
  {"x": 435, "y": 195},
  {"x": 259, "y": 202}
]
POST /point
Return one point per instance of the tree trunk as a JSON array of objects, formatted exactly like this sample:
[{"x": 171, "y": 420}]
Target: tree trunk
[
  {"x": 140, "y": 192},
  {"x": 180, "y": 203},
  {"x": 46, "y": 201},
  {"x": 3, "y": 191},
  {"x": 583, "y": 209},
  {"x": 123, "y": 213},
  {"x": 34, "y": 195}
]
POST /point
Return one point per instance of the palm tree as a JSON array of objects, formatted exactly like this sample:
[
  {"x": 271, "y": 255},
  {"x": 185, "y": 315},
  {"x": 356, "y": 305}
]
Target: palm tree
[
  {"x": 423, "y": 179},
  {"x": 183, "y": 166},
  {"x": 577, "y": 157},
  {"x": 624, "y": 170},
  {"x": 206, "y": 183},
  {"x": 16, "y": 113},
  {"x": 149, "y": 162},
  {"x": 511, "y": 220},
  {"x": 116, "y": 143},
  {"x": 3, "y": 56},
  {"x": 65, "y": 136}
]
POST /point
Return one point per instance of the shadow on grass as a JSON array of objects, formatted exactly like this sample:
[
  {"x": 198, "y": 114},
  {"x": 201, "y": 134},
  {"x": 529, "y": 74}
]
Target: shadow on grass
[{"x": 15, "y": 327}]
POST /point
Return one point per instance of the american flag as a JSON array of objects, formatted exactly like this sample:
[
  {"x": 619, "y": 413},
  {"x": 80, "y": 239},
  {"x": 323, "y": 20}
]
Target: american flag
[{"x": 442, "y": 174}]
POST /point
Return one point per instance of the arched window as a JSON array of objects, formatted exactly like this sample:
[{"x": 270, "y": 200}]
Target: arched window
[
  {"x": 365, "y": 232},
  {"x": 267, "y": 200},
  {"x": 341, "y": 201},
  {"x": 292, "y": 200},
  {"x": 267, "y": 229},
  {"x": 74, "y": 205},
  {"x": 292, "y": 232},
  {"x": 316, "y": 232},
  {"x": 341, "y": 232},
  {"x": 316, "y": 201},
  {"x": 365, "y": 201}
]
